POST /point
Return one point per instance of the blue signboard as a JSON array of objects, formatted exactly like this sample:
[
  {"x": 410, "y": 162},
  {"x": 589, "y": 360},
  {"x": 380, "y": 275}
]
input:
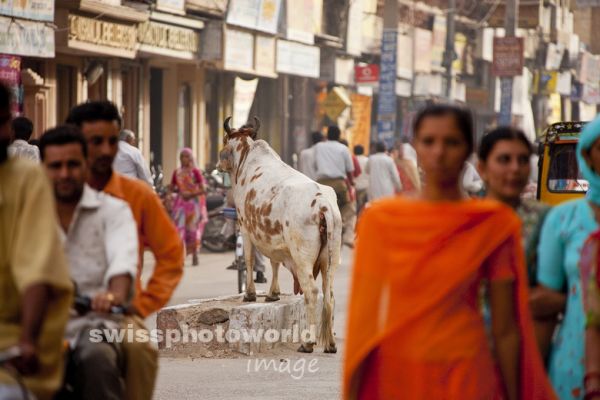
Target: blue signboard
[{"x": 386, "y": 107}]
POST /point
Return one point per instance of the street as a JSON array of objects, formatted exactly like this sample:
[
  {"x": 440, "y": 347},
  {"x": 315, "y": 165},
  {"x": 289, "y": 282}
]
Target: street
[{"x": 285, "y": 374}]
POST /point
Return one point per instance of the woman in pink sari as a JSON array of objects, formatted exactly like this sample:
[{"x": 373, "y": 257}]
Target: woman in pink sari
[{"x": 189, "y": 207}]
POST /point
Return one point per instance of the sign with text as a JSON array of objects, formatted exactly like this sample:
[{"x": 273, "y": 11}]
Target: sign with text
[
  {"x": 361, "y": 115},
  {"x": 386, "y": 107},
  {"x": 10, "y": 75},
  {"x": 38, "y": 10},
  {"x": 366, "y": 74},
  {"x": 508, "y": 56},
  {"x": 26, "y": 38}
]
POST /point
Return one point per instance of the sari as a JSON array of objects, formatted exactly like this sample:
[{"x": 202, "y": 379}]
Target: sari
[
  {"x": 190, "y": 216},
  {"x": 415, "y": 329}
]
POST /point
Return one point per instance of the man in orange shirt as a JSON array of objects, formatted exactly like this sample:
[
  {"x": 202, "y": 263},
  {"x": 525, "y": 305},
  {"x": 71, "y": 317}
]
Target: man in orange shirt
[{"x": 100, "y": 123}]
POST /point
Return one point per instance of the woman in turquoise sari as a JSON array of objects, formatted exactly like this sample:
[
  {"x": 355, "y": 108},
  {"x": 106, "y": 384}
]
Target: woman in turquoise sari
[{"x": 564, "y": 233}]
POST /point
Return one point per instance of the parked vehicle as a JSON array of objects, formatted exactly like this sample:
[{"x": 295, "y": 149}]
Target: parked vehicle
[{"x": 559, "y": 176}]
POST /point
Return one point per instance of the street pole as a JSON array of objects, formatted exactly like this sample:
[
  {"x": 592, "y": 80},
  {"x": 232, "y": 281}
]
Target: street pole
[
  {"x": 510, "y": 27},
  {"x": 449, "y": 54}
]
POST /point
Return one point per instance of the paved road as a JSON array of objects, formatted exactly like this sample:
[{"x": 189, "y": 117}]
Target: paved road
[{"x": 287, "y": 376}]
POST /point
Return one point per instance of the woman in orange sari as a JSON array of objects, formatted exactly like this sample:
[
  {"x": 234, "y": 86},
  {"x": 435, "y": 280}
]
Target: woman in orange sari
[{"x": 415, "y": 330}]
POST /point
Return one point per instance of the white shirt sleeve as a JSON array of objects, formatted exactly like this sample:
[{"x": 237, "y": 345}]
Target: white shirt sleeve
[
  {"x": 121, "y": 240},
  {"x": 142, "y": 170}
]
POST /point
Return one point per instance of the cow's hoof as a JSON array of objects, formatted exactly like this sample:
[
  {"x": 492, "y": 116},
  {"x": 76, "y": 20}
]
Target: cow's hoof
[
  {"x": 305, "y": 348},
  {"x": 270, "y": 299},
  {"x": 249, "y": 297},
  {"x": 330, "y": 349}
]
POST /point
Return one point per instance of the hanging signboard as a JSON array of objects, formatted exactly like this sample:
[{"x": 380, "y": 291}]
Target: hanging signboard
[
  {"x": 508, "y": 56},
  {"x": 10, "y": 75},
  {"x": 37, "y": 10},
  {"x": 261, "y": 15},
  {"x": 386, "y": 107},
  {"x": 366, "y": 74}
]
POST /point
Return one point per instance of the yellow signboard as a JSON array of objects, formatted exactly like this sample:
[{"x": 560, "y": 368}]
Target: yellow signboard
[{"x": 335, "y": 103}]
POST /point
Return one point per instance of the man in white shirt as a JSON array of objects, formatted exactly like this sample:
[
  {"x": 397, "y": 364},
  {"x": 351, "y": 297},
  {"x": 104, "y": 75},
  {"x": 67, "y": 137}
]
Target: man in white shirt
[
  {"x": 334, "y": 168},
  {"x": 129, "y": 160},
  {"x": 306, "y": 164},
  {"x": 22, "y": 130},
  {"x": 99, "y": 235},
  {"x": 384, "y": 180},
  {"x": 362, "y": 181}
]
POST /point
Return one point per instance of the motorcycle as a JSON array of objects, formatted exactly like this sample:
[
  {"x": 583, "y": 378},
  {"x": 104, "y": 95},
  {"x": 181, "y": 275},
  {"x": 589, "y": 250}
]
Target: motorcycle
[{"x": 218, "y": 237}]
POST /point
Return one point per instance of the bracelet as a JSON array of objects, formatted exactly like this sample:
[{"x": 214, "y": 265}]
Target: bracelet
[
  {"x": 589, "y": 376},
  {"x": 592, "y": 394}
]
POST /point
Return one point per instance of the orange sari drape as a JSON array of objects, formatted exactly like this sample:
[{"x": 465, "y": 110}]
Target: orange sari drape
[{"x": 414, "y": 329}]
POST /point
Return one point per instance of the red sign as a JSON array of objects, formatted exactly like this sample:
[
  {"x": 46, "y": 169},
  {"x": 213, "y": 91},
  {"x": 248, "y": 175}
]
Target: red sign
[
  {"x": 10, "y": 75},
  {"x": 366, "y": 74},
  {"x": 508, "y": 56}
]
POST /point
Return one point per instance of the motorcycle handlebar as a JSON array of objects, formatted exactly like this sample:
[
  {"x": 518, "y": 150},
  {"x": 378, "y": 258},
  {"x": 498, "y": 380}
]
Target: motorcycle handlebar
[{"x": 83, "y": 305}]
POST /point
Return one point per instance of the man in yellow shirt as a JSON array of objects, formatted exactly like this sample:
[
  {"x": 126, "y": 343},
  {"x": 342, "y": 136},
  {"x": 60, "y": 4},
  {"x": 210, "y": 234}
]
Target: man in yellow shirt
[{"x": 35, "y": 288}]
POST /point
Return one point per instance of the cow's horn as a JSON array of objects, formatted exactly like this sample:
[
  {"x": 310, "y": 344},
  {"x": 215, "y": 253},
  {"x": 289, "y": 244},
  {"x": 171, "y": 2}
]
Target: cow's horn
[{"x": 226, "y": 125}]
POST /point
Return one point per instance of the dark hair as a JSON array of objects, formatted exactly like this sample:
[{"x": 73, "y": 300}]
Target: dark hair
[
  {"x": 316, "y": 137},
  {"x": 94, "y": 111},
  {"x": 333, "y": 133},
  {"x": 380, "y": 147},
  {"x": 489, "y": 141},
  {"x": 23, "y": 128},
  {"x": 61, "y": 135},
  {"x": 462, "y": 116},
  {"x": 359, "y": 150}
]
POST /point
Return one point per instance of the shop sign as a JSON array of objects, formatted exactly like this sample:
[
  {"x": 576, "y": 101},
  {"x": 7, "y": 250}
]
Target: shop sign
[
  {"x": 210, "y": 6},
  {"x": 591, "y": 95},
  {"x": 162, "y": 36},
  {"x": 300, "y": 25},
  {"x": 10, "y": 75},
  {"x": 243, "y": 97},
  {"x": 366, "y": 74},
  {"x": 26, "y": 38},
  {"x": 261, "y": 15},
  {"x": 298, "y": 59},
  {"x": 335, "y": 103},
  {"x": 508, "y": 57},
  {"x": 386, "y": 106},
  {"x": 37, "y": 10},
  {"x": 102, "y": 33},
  {"x": 423, "y": 39},
  {"x": 239, "y": 51},
  {"x": 361, "y": 116},
  {"x": 264, "y": 57}
]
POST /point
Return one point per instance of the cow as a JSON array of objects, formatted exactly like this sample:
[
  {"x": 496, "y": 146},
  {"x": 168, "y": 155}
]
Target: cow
[{"x": 289, "y": 218}]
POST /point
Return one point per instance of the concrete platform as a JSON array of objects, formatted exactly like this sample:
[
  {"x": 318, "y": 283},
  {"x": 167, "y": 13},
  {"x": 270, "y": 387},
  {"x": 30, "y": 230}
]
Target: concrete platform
[{"x": 226, "y": 327}]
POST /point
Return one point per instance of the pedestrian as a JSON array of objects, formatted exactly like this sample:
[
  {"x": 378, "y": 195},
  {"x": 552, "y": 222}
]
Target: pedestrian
[
  {"x": 22, "y": 129},
  {"x": 129, "y": 160},
  {"x": 189, "y": 206},
  {"x": 307, "y": 157},
  {"x": 99, "y": 236},
  {"x": 99, "y": 123},
  {"x": 36, "y": 292},
  {"x": 564, "y": 233},
  {"x": 504, "y": 166},
  {"x": 334, "y": 168},
  {"x": 384, "y": 180},
  {"x": 414, "y": 326},
  {"x": 590, "y": 285},
  {"x": 407, "y": 170},
  {"x": 362, "y": 180}
]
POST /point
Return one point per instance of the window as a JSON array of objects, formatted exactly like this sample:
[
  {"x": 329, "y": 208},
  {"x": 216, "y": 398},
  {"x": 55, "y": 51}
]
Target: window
[
  {"x": 564, "y": 174},
  {"x": 184, "y": 117}
]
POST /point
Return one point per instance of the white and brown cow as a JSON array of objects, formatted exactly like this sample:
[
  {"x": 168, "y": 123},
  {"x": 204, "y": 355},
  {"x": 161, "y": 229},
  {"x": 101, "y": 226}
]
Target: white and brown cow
[{"x": 290, "y": 219}]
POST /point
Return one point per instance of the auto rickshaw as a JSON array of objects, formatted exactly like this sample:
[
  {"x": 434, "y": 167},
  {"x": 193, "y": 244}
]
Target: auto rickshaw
[{"x": 559, "y": 177}]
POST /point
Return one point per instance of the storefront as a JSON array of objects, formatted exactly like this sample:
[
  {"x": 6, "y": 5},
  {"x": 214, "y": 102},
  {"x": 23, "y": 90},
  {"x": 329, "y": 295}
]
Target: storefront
[
  {"x": 26, "y": 46},
  {"x": 173, "y": 86}
]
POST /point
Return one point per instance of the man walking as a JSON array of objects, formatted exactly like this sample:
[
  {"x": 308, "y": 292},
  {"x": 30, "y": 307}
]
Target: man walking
[
  {"x": 99, "y": 123},
  {"x": 384, "y": 180},
  {"x": 129, "y": 160},
  {"x": 22, "y": 130},
  {"x": 99, "y": 236},
  {"x": 362, "y": 180},
  {"x": 36, "y": 289},
  {"x": 334, "y": 166},
  {"x": 307, "y": 157}
]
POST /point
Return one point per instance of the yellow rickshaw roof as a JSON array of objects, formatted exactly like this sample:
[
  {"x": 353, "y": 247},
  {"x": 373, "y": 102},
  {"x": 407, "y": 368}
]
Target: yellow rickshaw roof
[{"x": 563, "y": 132}]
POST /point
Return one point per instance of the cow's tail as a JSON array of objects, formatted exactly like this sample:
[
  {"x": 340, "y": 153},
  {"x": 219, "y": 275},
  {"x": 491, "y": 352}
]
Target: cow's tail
[{"x": 328, "y": 260}]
